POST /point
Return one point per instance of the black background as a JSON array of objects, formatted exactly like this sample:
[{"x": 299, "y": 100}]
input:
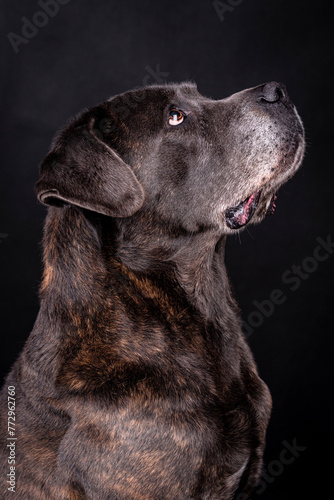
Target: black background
[{"x": 91, "y": 50}]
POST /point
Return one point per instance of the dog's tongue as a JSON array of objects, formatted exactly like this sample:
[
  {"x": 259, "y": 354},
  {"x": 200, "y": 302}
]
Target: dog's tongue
[{"x": 242, "y": 213}]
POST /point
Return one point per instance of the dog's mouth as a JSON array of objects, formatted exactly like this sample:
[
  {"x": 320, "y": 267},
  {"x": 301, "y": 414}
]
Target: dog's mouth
[{"x": 239, "y": 215}]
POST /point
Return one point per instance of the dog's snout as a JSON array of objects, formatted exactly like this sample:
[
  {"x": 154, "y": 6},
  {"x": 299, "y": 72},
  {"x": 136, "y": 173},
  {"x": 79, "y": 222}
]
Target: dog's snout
[{"x": 272, "y": 92}]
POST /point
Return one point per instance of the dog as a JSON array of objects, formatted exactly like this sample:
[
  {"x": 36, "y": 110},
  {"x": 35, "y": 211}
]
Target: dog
[{"x": 137, "y": 382}]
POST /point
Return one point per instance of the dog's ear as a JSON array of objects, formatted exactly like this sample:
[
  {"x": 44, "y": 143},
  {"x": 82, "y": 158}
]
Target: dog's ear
[{"x": 83, "y": 170}]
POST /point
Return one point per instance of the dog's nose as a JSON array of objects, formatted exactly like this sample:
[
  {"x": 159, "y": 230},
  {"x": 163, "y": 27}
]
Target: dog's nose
[{"x": 272, "y": 92}]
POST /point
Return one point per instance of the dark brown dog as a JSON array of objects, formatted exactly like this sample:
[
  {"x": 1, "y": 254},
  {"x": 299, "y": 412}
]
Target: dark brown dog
[{"x": 136, "y": 382}]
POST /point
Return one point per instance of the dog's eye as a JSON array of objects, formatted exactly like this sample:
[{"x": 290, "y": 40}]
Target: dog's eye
[{"x": 175, "y": 117}]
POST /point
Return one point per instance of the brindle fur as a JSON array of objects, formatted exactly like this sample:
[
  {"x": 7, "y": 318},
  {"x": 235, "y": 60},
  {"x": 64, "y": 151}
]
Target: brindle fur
[{"x": 136, "y": 382}]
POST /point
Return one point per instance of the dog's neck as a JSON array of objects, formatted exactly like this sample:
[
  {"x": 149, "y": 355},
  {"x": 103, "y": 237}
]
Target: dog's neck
[
  {"x": 96, "y": 246},
  {"x": 147, "y": 247},
  {"x": 195, "y": 260}
]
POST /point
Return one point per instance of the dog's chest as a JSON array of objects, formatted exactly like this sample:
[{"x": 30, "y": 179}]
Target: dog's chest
[
  {"x": 173, "y": 400},
  {"x": 174, "y": 448},
  {"x": 147, "y": 345}
]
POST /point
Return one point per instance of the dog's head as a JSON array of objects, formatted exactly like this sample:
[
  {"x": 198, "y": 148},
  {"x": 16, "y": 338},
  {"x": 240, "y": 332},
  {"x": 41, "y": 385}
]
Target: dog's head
[{"x": 192, "y": 161}]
